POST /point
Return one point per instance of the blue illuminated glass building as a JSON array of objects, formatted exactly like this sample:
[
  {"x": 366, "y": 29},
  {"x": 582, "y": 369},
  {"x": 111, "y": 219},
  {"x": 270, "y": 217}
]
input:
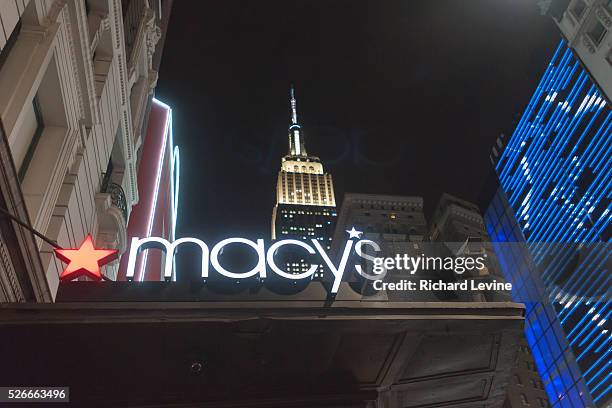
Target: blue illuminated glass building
[{"x": 548, "y": 214}]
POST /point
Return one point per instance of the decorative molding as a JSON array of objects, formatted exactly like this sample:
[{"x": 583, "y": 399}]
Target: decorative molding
[
  {"x": 153, "y": 35},
  {"x": 39, "y": 32},
  {"x": 85, "y": 54},
  {"x": 111, "y": 225},
  {"x": 586, "y": 41},
  {"x": 153, "y": 77},
  {"x": 65, "y": 16},
  {"x": 103, "y": 26},
  {"x": 125, "y": 119},
  {"x": 54, "y": 12},
  {"x": 10, "y": 291},
  {"x": 604, "y": 16}
]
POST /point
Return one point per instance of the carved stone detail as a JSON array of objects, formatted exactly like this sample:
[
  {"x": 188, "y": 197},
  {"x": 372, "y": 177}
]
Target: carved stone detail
[
  {"x": 604, "y": 16},
  {"x": 112, "y": 227},
  {"x": 586, "y": 41},
  {"x": 13, "y": 292},
  {"x": 153, "y": 35}
]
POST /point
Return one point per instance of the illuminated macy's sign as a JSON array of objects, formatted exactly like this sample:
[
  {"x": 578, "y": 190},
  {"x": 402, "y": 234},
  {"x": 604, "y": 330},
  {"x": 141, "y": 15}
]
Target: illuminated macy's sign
[
  {"x": 266, "y": 258},
  {"x": 87, "y": 260}
]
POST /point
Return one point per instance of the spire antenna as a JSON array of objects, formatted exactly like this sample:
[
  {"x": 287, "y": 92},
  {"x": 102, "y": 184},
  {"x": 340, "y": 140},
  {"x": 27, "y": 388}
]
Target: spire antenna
[{"x": 293, "y": 107}]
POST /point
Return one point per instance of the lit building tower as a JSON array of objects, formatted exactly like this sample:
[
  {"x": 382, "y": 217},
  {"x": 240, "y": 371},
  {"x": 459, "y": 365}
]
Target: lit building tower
[
  {"x": 548, "y": 213},
  {"x": 305, "y": 204}
]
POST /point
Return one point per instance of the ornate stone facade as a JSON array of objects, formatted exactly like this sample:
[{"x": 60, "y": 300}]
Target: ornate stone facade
[{"x": 73, "y": 105}]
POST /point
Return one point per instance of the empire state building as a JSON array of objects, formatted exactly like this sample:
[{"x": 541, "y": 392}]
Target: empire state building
[{"x": 305, "y": 204}]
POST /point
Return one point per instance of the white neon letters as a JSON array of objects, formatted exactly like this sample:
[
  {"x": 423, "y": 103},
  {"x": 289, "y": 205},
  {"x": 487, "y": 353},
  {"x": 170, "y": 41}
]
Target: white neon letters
[
  {"x": 272, "y": 263},
  {"x": 369, "y": 257},
  {"x": 337, "y": 271},
  {"x": 169, "y": 249},
  {"x": 260, "y": 268},
  {"x": 263, "y": 257}
]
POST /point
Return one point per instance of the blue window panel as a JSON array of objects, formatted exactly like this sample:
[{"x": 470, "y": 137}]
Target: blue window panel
[
  {"x": 552, "y": 344},
  {"x": 565, "y": 402},
  {"x": 559, "y": 332},
  {"x": 575, "y": 398},
  {"x": 550, "y": 312},
  {"x": 584, "y": 395},
  {"x": 573, "y": 367},
  {"x": 499, "y": 206},
  {"x": 558, "y": 387},
  {"x": 516, "y": 254},
  {"x": 508, "y": 233},
  {"x": 535, "y": 327},
  {"x": 564, "y": 373},
  {"x": 532, "y": 293},
  {"x": 550, "y": 391},
  {"x": 547, "y": 356},
  {"x": 540, "y": 362},
  {"x": 539, "y": 312}
]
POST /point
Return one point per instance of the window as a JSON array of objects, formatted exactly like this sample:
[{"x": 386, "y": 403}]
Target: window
[
  {"x": 9, "y": 43},
  {"x": 597, "y": 32},
  {"x": 49, "y": 102},
  {"x": 517, "y": 380},
  {"x": 578, "y": 9},
  {"x": 102, "y": 60},
  {"x": 524, "y": 400},
  {"x": 30, "y": 133}
]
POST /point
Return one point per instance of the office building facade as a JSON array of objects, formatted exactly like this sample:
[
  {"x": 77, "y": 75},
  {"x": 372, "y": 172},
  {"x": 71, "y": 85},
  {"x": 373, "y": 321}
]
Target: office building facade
[
  {"x": 459, "y": 229},
  {"x": 382, "y": 217},
  {"x": 396, "y": 223},
  {"x": 549, "y": 218}
]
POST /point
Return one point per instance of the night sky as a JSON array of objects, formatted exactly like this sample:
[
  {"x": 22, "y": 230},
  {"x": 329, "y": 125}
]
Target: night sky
[{"x": 396, "y": 97}]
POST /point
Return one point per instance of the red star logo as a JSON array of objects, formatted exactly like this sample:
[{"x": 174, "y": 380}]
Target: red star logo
[{"x": 85, "y": 261}]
